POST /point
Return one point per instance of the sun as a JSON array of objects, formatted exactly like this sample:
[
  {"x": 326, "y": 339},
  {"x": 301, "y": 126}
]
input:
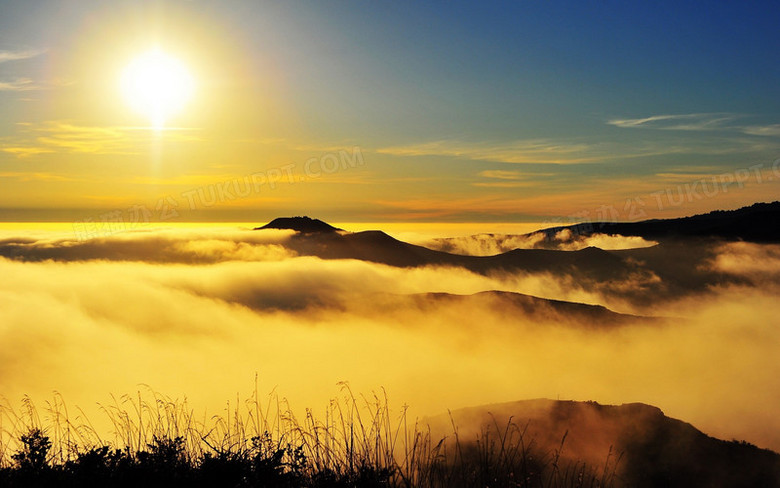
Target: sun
[{"x": 157, "y": 86}]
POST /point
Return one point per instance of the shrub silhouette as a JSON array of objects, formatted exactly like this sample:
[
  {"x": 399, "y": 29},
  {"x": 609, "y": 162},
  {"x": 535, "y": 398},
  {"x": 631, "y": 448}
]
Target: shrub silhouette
[{"x": 34, "y": 451}]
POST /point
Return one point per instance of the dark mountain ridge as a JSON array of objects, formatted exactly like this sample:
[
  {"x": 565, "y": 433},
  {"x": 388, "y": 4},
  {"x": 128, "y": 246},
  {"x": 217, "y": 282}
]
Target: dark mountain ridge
[
  {"x": 378, "y": 247},
  {"x": 759, "y": 223},
  {"x": 679, "y": 265}
]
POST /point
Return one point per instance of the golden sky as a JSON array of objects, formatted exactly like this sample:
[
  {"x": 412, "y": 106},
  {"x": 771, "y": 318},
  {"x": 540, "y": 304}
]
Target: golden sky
[{"x": 389, "y": 112}]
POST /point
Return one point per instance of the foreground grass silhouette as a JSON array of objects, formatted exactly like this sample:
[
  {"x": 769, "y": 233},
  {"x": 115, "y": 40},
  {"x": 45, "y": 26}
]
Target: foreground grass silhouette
[{"x": 158, "y": 441}]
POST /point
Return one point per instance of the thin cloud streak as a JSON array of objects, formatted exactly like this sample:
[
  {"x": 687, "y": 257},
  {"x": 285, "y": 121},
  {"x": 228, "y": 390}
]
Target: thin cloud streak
[
  {"x": 19, "y": 85},
  {"x": 501, "y": 174},
  {"x": 683, "y": 122},
  {"x": 29, "y": 85},
  {"x": 509, "y": 179},
  {"x": 6, "y": 56},
  {"x": 539, "y": 151},
  {"x": 697, "y": 122},
  {"x": 26, "y": 152},
  {"x": 37, "y": 176},
  {"x": 59, "y": 136},
  {"x": 569, "y": 153},
  {"x": 763, "y": 130},
  {"x": 504, "y": 184}
]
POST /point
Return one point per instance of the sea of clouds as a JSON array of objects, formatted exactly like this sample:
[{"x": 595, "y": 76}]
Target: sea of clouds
[{"x": 197, "y": 313}]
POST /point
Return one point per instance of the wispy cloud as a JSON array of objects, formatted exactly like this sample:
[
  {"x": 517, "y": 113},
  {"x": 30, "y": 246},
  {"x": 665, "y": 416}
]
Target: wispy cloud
[
  {"x": 441, "y": 207},
  {"x": 698, "y": 122},
  {"x": 762, "y": 130},
  {"x": 19, "y": 85},
  {"x": 681, "y": 176},
  {"x": 501, "y": 174},
  {"x": 68, "y": 137},
  {"x": 22, "y": 84},
  {"x": 540, "y": 151},
  {"x": 300, "y": 146},
  {"x": 567, "y": 153},
  {"x": 508, "y": 179},
  {"x": 689, "y": 122},
  {"x": 27, "y": 85},
  {"x": 6, "y": 56},
  {"x": 73, "y": 138},
  {"x": 503, "y": 184},
  {"x": 22, "y": 176},
  {"x": 26, "y": 151}
]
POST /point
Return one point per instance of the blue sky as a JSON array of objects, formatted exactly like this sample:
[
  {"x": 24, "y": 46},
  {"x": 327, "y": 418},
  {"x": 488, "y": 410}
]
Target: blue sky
[{"x": 515, "y": 110}]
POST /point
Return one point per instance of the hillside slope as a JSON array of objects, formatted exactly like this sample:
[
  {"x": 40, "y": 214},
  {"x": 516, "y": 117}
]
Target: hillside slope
[{"x": 657, "y": 451}]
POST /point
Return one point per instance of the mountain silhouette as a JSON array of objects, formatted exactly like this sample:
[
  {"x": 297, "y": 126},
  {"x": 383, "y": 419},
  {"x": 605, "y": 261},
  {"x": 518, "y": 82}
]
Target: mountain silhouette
[
  {"x": 679, "y": 265},
  {"x": 377, "y": 246},
  {"x": 654, "y": 450},
  {"x": 306, "y": 225},
  {"x": 759, "y": 222}
]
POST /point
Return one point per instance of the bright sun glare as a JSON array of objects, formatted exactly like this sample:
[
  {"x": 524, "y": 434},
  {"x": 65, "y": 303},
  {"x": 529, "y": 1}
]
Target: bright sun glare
[{"x": 157, "y": 86}]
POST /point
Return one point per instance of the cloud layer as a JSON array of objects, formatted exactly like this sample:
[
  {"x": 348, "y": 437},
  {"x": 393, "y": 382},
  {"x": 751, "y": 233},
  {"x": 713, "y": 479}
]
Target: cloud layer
[
  {"x": 197, "y": 313},
  {"x": 491, "y": 244}
]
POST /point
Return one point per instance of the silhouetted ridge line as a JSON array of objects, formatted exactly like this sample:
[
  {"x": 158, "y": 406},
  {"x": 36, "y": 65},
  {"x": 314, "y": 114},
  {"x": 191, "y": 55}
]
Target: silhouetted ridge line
[
  {"x": 759, "y": 222},
  {"x": 305, "y": 225},
  {"x": 594, "y": 316}
]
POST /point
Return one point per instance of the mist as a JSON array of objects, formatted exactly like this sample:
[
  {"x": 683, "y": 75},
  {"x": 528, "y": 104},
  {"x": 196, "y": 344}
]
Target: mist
[
  {"x": 564, "y": 240},
  {"x": 198, "y": 314}
]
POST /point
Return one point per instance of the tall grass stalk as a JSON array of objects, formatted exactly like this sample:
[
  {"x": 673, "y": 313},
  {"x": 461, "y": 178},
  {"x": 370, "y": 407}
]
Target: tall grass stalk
[{"x": 259, "y": 441}]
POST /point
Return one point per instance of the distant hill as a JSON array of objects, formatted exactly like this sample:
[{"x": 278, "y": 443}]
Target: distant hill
[
  {"x": 656, "y": 450},
  {"x": 515, "y": 305},
  {"x": 759, "y": 222},
  {"x": 671, "y": 269},
  {"x": 376, "y": 246},
  {"x": 303, "y": 224}
]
